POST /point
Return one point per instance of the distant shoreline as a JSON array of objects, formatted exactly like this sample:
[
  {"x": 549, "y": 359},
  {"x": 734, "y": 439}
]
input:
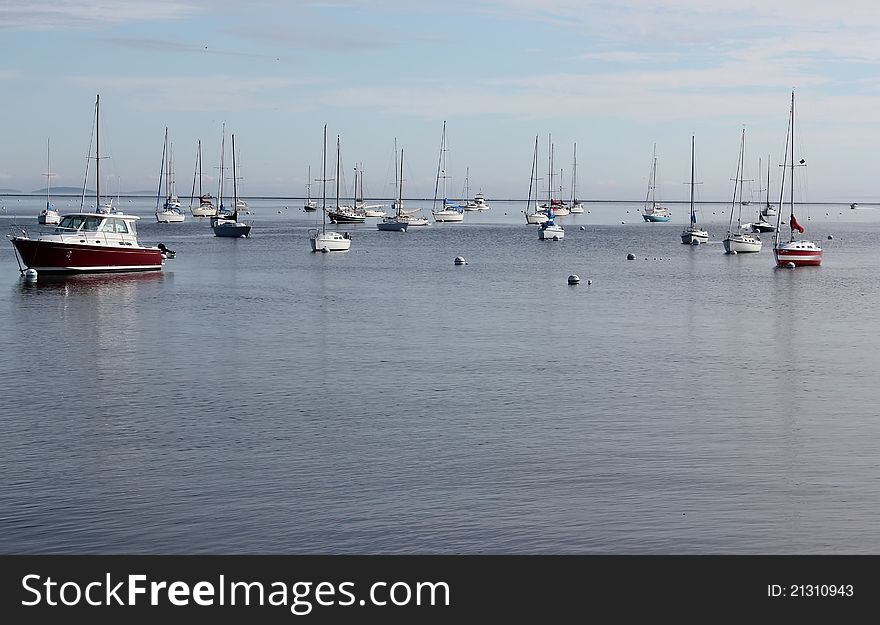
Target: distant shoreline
[{"x": 428, "y": 199}]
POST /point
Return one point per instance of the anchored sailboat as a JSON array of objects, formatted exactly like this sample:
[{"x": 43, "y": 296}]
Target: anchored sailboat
[{"x": 794, "y": 252}]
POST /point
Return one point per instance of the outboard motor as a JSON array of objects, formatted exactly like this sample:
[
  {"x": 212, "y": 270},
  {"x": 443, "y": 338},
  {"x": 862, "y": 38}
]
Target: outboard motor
[{"x": 166, "y": 253}]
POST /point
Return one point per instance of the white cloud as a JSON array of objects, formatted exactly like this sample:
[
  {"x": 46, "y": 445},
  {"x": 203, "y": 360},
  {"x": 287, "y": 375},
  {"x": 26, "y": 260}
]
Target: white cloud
[{"x": 64, "y": 14}]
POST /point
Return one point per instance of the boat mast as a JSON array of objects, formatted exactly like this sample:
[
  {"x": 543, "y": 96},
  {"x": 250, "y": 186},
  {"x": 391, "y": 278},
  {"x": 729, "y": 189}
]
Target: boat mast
[
  {"x": 324, "y": 182},
  {"x": 338, "y": 170},
  {"x": 400, "y": 192},
  {"x": 309, "y": 185},
  {"x": 550, "y": 174},
  {"x": 693, "y": 214},
  {"x": 48, "y": 175},
  {"x": 574, "y": 169},
  {"x": 234, "y": 183},
  {"x": 532, "y": 180},
  {"x": 791, "y": 182},
  {"x": 161, "y": 171},
  {"x": 222, "y": 168},
  {"x": 97, "y": 152},
  {"x": 649, "y": 197}
]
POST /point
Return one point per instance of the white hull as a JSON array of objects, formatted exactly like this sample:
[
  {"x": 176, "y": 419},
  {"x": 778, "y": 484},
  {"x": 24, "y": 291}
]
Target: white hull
[
  {"x": 577, "y": 209},
  {"x": 330, "y": 241},
  {"x": 448, "y": 216},
  {"x": 552, "y": 232},
  {"x": 535, "y": 219},
  {"x": 170, "y": 217},
  {"x": 689, "y": 236},
  {"x": 50, "y": 218},
  {"x": 204, "y": 211},
  {"x": 742, "y": 244},
  {"x": 374, "y": 213}
]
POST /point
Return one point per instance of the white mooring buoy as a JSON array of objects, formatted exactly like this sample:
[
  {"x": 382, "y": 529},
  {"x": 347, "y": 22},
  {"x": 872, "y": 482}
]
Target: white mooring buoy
[
  {"x": 459, "y": 260},
  {"x": 790, "y": 265},
  {"x": 30, "y": 275},
  {"x": 573, "y": 279}
]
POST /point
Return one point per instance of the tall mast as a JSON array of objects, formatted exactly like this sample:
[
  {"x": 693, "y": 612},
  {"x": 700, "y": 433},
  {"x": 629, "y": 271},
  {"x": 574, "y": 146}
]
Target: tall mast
[
  {"x": 693, "y": 215},
  {"x": 768, "y": 182},
  {"x": 97, "y": 153},
  {"x": 791, "y": 182},
  {"x": 574, "y": 170},
  {"x": 400, "y": 192},
  {"x": 338, "y": 170},
  {"x": 234, "y": 183},
  {"x": 533, "y": 177},
  {"x": 309, "y": 185},
  {"x": 550, "y": 174},
  {"x": 162, "y": 171},
  {"x": 222, "y": 169},
  {"x": 324, "y": 181},
  {"x": 48, "y": 175}
]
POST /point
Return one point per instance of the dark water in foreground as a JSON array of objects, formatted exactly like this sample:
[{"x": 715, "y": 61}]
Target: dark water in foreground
[{"x": 255, "y": 397}]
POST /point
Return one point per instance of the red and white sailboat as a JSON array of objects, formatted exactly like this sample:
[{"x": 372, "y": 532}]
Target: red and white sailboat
[
  {"x": 794, "y": 252},
  {"x": 103, "y": 240}
]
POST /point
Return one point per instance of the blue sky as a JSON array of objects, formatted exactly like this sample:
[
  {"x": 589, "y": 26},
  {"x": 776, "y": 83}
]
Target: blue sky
[{"x": 614, "y": 77}]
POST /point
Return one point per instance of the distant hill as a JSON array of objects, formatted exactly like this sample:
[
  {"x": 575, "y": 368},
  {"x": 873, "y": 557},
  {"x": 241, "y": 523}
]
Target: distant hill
[{"x": 12, "y": 191}]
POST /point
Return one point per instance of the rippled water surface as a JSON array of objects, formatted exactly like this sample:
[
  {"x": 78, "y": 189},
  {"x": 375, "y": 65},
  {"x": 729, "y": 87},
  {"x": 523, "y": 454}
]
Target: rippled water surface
[{"x": 255, "y": 397}]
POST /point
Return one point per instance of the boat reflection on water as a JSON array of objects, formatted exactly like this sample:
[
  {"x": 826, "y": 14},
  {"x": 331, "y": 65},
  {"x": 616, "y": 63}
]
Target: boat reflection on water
[{"x": 90, "y": 283}]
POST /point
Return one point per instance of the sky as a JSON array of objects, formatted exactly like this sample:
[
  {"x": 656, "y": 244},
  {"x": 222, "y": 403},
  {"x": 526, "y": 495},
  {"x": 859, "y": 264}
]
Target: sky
[{"x": 616, "y": 78}]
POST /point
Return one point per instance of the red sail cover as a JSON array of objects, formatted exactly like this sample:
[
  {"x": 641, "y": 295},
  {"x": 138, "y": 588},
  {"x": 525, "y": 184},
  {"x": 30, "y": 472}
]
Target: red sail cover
[{"x": 795, "y": 225}]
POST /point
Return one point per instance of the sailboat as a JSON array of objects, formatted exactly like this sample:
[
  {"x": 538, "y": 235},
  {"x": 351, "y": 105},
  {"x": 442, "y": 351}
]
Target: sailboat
[
  {"x": 739, "y": 240},
  {"x": 48, "y": 216},
  {"x": 96, "y": 241},
  {"x": 478, "y": 202},
  {"x": 693, "y": 234},
  {"x": 450, "y": 211},
  {"x": 796, "y": 252},
  {"x": 227, "y": 224},
  {"x": 534, "y": 215},
  {"x": 398, "y": 222},
  {"x": 311, "y": 205},
  {"x": 170, "y": 212},
  {"x": 322, "y": 240},
  {"x": 206, "y": 206},
  {"x": 342, "y": 213},
  {"x": 411, "y": 216},
  {"x": 550, "y": 230},
  {"x": 769, "y": 210},
  {"x": 577, "y": 207},
  {"x": 369, "y": 210},
  {"x": 762, "y": 225},
  {"x": 654, "y": 211}
]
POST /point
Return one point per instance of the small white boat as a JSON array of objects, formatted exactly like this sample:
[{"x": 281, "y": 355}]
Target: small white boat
[
  {"x": 206, "y": 206},
  {"x": 693, "y": 234},
  {"x": 322, "y": 240},
  {"x": 449, "y": 211},
  {"x": 48, "y": 216},
  {"x": 654, "y": 211},
  {"x": 739, "y": 240},
  {"x": 549, "y": 230},
  {"x": 310, "y": 205},
  {"x": 170, "y": 213}
]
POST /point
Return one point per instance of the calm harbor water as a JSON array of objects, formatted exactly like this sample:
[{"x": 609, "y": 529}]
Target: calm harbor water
[{"x": 255, "y": 397}]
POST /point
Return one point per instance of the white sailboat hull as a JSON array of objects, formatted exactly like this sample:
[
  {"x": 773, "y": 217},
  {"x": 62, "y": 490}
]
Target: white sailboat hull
[
  {"x": 330, "y": 241},
  {"x": 698, "y": 235},
  {"x": 170, "y": 217},
  {"x": 742, "y": 244},
  {"x": 552, "y": 232},
  {"x": 536, "y": 219},
  {"x": 448, "y": 216}
]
